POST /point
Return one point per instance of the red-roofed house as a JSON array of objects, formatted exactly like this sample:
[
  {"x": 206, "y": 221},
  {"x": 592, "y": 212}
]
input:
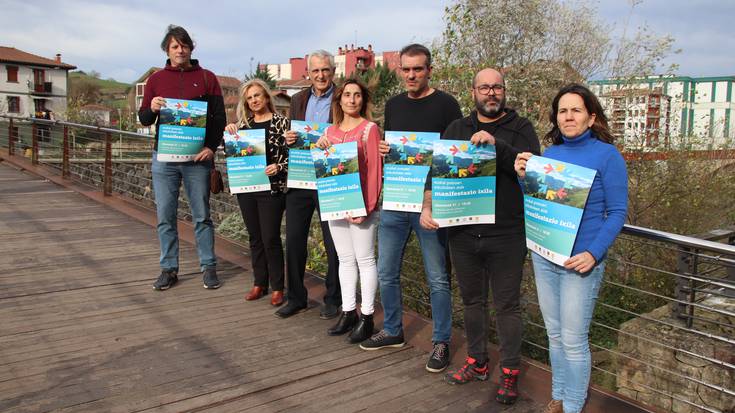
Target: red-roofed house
[{"x": 32, "y": 85}]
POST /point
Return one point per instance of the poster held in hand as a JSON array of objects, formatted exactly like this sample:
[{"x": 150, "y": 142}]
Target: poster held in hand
[
  {"x": 181, "y": 130},
  {"x": 462, "y": 183},
  {"x": 554, "y": 196},
  {"x": 406, "y": 169}
]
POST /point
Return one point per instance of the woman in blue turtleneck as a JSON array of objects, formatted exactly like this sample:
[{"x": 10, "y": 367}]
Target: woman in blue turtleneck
[{"x": 567, "y": 294}]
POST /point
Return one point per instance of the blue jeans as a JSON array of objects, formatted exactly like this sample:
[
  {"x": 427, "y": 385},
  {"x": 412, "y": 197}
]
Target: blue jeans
[
  {"x": 167, "y": 178},
  {"x": 393, "y": 232},
  {"x": 567, "y": 301}
]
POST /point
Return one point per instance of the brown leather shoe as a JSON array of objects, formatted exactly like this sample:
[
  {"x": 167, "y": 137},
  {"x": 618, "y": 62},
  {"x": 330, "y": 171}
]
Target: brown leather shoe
[
  {"x": 554, "y": 406},
  {"x": 255, "y": 293},
  {"x": 277, "y": 298}
]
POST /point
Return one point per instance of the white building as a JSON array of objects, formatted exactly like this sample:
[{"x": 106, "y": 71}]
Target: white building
[
  {"x": 32, "y": 85},
  {"x": 672, "y": 110}
]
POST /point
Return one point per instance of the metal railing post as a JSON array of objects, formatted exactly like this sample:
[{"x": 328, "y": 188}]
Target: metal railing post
[
  {"x": 683, "y": 265},
  {"x": 65, "y": 155},
  {"x": 107, "y": 183},
  {"x": 34, "y": 145},
  {"x": 11, "y": 138}
]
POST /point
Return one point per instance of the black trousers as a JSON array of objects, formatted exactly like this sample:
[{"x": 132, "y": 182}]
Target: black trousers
[
  {"x": 490, "y": 262},
  {"x": 300, "y": 205},
  {"x": 262, "y": 213}
]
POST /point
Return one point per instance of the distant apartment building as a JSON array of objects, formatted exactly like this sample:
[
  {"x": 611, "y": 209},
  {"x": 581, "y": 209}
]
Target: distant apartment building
[
  {"x": 293, "y": 76},
  {"x": 31, "y": 85},
  {"x": 673, "y": 111}
]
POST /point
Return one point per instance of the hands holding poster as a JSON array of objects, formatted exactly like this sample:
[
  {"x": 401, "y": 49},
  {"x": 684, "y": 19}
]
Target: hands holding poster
[
  {"x": 182, "y": 125},
  {"x": 246, "y": 161},
  {"x": 555, "y": 194},
  {"x": 406, "y": 168},
  {"x": 300, "y": 164},
  {"x": 463, "y": 183},
  {"x": 338, "y": 181}
]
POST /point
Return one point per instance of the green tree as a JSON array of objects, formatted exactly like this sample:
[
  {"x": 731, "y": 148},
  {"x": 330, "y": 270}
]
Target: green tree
[
  {"x": 383, "y": 83},
  {"x": 263, "y": 75}
]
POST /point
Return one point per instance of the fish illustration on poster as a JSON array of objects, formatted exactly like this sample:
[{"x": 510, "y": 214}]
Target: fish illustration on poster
[
  {"x": 181, "y": 130},
  {"x": 338, "y": 181},
  {"x": 300, "y": 164},
  {"x": 406, "y": 168},
  {"x": 246, "y": 162},
  {"x": 554, "y": 196},
  {"x": 462, "y": 183}
]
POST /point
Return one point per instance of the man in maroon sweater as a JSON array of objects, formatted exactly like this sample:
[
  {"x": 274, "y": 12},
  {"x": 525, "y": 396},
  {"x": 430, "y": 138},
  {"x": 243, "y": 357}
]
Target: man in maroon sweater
[{"x": 183, "y": 78}]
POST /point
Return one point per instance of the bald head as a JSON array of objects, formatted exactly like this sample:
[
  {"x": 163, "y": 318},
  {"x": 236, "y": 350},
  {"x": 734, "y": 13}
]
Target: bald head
[{"x": 488, "y": 77}]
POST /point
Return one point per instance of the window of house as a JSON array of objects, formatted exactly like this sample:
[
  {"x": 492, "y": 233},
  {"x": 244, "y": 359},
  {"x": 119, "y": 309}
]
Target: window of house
[
  {"x": 139, "y": 88},
  {"x": 12, "y": 73},
  {"x": 14, "y": 104}
]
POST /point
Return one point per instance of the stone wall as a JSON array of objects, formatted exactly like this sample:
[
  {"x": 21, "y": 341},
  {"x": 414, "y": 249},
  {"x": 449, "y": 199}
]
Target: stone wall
[
  {"x": 132, "y": 178},
  {"x": 667, "y": 369}
]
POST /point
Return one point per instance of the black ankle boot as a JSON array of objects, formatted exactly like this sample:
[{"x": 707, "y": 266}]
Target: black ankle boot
[
  {"x": 363, "y": 330},
  {"x": 346, "y": 322}
]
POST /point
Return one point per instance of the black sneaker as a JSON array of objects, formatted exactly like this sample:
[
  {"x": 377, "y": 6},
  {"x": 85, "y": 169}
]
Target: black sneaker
[
  {"x": 210, "y": 279},
  {"x": 381, "y": 339},
  {"x": 328, "y": 311},
  {"x": 289, "y": 309},
  {"x": 166, "y": 280},
  {"x": 439, "y": 358}
]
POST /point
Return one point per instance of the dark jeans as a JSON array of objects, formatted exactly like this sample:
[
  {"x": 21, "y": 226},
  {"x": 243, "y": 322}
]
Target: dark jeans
[
  {"x": 262, "y": 213},
  {"x": 300, "y": 205},
  {"x": 494, "y": 262}
]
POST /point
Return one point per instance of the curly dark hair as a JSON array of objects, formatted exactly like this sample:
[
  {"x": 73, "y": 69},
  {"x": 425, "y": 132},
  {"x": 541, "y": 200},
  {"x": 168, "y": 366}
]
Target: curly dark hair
[{"x": 593, "y": 106}]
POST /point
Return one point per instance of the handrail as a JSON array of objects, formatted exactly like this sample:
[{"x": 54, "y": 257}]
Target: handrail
[
  {"x": 80, "y": 126},
  {"x": 684, "y": 240}
]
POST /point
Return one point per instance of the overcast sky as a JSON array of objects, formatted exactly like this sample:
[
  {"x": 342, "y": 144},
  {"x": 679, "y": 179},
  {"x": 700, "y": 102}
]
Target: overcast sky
[{"x": 120, "y": 39}]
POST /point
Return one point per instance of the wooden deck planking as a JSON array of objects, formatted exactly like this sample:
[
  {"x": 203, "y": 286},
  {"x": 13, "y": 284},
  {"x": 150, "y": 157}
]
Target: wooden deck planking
[{"x": 83, "y": 331}]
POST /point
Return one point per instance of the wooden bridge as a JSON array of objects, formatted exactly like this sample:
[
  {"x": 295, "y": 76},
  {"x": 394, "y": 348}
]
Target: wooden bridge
[{"x": 82, "y": 330}]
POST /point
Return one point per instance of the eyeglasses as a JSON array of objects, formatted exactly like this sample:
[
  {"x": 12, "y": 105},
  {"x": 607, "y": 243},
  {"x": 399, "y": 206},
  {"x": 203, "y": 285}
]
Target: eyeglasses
[{"x": 485, "y": 89}]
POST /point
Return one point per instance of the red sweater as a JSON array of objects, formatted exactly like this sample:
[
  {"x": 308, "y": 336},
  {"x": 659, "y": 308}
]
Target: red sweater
[
  {"x": 368, "y": 158},
  {"x": 177, "y": 83}
]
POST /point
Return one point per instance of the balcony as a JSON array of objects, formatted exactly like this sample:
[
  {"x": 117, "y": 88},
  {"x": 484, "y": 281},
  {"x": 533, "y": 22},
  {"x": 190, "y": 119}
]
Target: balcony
[{"x": 40, "y": 88}]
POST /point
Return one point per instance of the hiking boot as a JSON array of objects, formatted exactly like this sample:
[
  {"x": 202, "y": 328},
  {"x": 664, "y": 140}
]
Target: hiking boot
[
  {"x": 554, "y": 406},
  {"x": 210, "y": 279},
  {"x": 363, "y": 330},
  {"x": 439, "y": 358},
  {"x": 381, "y": 339},
  {"x": 345, "y": 324},
  {"x": 166, "y": 280},
  {"x": 471, "y": 371},
  {"x": 508, "y": 390}
]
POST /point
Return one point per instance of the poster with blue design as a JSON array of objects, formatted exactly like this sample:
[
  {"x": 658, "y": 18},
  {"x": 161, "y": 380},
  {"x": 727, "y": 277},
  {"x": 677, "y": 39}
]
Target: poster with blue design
[
  {"x": 406, "y": 168},
  {"x": 338, "y": 181},
  {"x": 246, "y": 161},
  {"x": 554, "y": 196},
  {"x": 300, "y": 164},
  {"x": 181, "y": 129},
  {"x": 462, "y": 183}
]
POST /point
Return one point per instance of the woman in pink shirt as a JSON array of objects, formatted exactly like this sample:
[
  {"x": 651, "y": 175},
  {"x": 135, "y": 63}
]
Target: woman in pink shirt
[{"x": 354, "y": 237}]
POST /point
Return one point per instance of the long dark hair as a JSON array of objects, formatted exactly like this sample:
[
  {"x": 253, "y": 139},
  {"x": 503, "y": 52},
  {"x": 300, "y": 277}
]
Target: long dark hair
[
  {"x": 366, "y": 110},
  {"x": 593, "y": 106}
]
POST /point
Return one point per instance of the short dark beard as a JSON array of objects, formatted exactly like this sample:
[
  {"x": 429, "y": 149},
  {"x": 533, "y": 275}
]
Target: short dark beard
[{"x": 490, "y": 113}]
